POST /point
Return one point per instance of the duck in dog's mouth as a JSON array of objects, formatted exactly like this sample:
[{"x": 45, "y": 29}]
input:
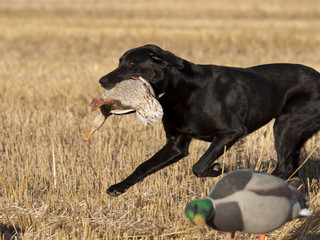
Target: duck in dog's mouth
[{"x": 132, "y": 95}]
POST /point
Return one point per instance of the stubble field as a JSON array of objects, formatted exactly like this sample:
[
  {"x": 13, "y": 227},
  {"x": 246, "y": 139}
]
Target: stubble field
[{"x": 53, "y": 185}]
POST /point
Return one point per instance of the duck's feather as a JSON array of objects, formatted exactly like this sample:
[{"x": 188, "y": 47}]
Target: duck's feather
[
  {"x": 231, "y": 183},
  {"x": 268, "y": 185},
  {"x": 121, "y": 111},
  {"x": 135, "y": 95}
]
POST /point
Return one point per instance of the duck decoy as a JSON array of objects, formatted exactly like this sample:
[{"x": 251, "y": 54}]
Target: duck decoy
[{"x": 248, "y": 201}]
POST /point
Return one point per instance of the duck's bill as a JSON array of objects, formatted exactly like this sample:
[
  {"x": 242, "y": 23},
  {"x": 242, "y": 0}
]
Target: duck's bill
[
  {"x": 96, "y": 103},
  {"x": 96, "y": 124},
  {"x": 88, "y": 135},
  {"x": 199, "y": 221}
]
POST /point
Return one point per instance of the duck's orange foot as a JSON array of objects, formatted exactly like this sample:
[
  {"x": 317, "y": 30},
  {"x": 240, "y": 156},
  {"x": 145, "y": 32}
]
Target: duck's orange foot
[
  {"x": 96, "y": 103},
  {"x": 262, "y": 236},
  {"x": 135, "y": 78}
]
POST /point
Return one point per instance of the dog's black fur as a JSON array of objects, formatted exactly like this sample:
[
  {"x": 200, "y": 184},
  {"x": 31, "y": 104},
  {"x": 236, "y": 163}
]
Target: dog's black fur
[{"x": 221, "y": 105}]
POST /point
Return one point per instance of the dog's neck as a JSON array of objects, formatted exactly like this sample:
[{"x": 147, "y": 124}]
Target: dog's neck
[{"x": 178, "y": 84}]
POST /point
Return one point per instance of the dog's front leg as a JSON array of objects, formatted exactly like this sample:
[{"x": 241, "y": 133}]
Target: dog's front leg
[
  {"x": 204, "y": 167},
  {"x": 175, "y": 149}
]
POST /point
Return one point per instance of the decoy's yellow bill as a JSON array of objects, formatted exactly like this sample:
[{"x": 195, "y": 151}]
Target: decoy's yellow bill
[{"x": 199, "y": 221}]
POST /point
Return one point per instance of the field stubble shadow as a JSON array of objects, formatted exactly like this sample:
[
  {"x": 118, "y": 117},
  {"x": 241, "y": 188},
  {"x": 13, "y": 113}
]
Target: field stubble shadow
[{"x": 9, "y": 232}]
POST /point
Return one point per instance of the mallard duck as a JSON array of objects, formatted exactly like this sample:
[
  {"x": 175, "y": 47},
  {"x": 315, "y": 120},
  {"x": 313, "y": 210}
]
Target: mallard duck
[
  {"x": 248, "y": 201},
  {"x": 130, "y": 95}
]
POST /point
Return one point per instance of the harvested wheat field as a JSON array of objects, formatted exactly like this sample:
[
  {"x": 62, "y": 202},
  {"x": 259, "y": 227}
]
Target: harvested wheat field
[{"x": 53, "y": 184}]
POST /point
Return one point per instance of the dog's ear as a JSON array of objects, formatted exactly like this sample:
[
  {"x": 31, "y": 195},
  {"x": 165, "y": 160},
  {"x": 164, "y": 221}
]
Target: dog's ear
[{"x": 168, "y": 57}]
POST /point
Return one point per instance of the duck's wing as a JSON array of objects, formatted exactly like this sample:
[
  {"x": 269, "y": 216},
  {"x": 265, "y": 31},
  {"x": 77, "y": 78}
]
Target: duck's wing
[
  {"x": 231, "y": 183},
  {"x": 149, "y": 110},
  {"x": 269, "y": 185},
  {"x": 257, "y": 182}
]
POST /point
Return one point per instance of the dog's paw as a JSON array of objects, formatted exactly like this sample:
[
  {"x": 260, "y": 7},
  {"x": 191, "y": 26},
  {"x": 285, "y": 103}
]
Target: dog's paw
[
  {"x": 214, "y": 170},
  {"x": 295, "y": 182},
  {"x": 116, "y": 190},
  {"x": 219, "y": 168}
]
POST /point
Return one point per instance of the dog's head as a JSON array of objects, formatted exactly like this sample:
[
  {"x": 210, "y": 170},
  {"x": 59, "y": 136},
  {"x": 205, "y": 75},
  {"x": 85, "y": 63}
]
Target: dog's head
[{"x": 149, "y": 62}]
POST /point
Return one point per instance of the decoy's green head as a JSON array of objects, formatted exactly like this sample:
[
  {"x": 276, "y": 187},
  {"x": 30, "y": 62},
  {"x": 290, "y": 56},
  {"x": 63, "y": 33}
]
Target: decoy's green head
[{"x": 199, "y": 210}]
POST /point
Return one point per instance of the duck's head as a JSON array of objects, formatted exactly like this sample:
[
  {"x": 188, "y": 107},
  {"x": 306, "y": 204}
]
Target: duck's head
[{"x": 198, "y": 211}]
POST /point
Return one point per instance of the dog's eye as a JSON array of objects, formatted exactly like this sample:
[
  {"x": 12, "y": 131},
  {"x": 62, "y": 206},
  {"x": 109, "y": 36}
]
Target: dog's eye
[
  {"x": 130, "y": 63},
  {"x": 156, "y": 59}
]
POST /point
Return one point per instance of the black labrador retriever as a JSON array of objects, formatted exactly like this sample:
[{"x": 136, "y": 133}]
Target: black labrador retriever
[{"x": 221, "y": 105}]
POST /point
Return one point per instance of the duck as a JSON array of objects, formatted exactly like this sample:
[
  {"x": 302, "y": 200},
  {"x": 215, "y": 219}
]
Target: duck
[
  {"x": 248, "y": 201},
  {"x": 131, "y": 95}
]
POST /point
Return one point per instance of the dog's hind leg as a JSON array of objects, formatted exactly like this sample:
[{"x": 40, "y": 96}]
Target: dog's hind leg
[{"x": 291, "y": 130}]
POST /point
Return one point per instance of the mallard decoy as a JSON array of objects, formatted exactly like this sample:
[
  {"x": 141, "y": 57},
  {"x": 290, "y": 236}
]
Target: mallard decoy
[
  {"x": 126, "y": 96},
  {"x": 248, "y": 201}
]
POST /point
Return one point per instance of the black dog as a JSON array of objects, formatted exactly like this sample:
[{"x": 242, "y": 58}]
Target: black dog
[{"x": 221, "y": 105}]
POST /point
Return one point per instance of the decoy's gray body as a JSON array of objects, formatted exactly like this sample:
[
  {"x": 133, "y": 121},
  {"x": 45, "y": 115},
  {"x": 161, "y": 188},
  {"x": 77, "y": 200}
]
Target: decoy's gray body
[{"x": 252, "y": 202}]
